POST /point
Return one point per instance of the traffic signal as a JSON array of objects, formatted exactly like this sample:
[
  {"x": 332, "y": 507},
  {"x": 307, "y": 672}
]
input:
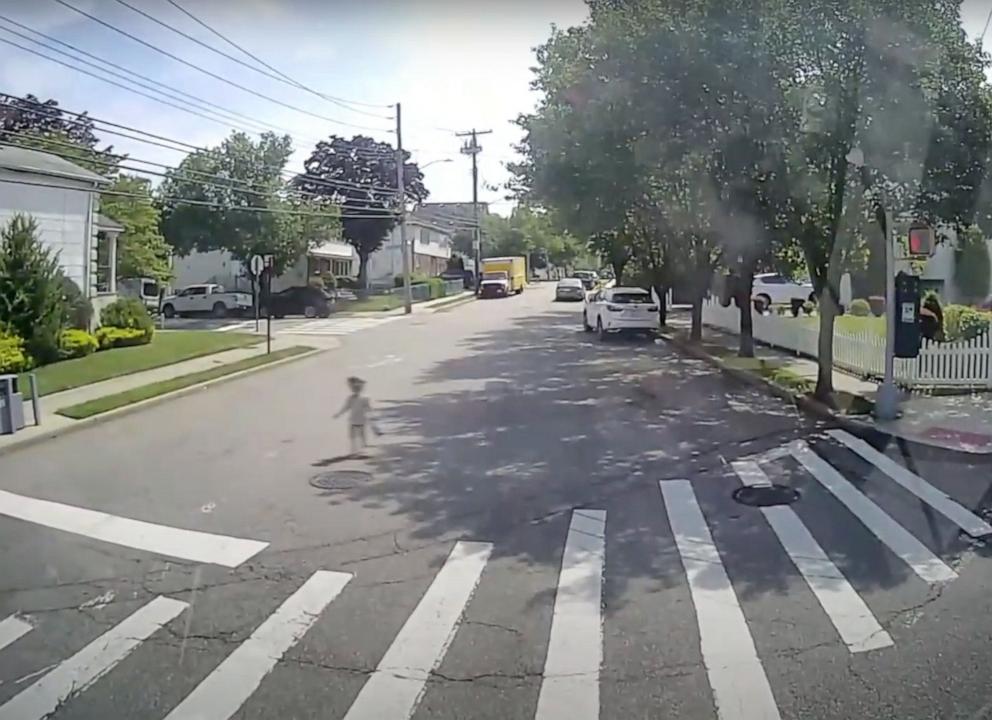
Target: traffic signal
[
  {"x": 907, "y": 309},
  {"x": 921, "y": 240}
]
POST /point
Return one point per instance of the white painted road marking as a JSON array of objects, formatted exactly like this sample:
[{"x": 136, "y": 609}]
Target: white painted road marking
[
  {"x": 395, "y": 688},
  {"x": 570, "y": 686},
  {"x": 225, "y": 690},
  {"x": 937, "y": 499},
  {"x": 853, "y": 619},
  {"x": 914, "y": 553},
  {"x": 740, "y": 686},
  {"x": 74, "y": 675},
  {"x": 162, "y": 539},
  {"x": 12, "y": 628}
]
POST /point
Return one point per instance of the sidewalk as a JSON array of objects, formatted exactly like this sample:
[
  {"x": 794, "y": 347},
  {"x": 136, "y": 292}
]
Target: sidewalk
[
  {"x": 53, "y": 424},
  {"x": 960, "y": 422}
]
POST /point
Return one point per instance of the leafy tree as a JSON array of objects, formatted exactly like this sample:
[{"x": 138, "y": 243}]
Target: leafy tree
[
  {"x": 141, "y": 249},
  {"x": 31, "y": 300},
  {"x": 242, "y": 204},
  {"x": 972, "y": 267},
  {"x": 29, "y": 114},
  {"x": 359, "y": 175}
]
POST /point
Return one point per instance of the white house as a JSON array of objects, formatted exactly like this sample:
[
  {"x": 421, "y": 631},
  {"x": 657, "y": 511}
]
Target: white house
[
  {"x": 219, "y": 266},
  {"x": 63, "y": 199},
  {"x": 938, "y": 271},
  {"x": 431, "y": 245}
]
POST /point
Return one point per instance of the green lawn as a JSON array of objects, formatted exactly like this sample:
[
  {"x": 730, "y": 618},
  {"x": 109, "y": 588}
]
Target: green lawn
[
  {"x": 373, "y": 303},
  {"x": 167, "y": 347},
  {"x": 129, "y": 397}
]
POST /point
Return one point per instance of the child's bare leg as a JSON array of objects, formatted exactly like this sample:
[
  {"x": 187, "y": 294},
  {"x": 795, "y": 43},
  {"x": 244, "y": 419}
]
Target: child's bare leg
[{"x": 354, "y": 437}]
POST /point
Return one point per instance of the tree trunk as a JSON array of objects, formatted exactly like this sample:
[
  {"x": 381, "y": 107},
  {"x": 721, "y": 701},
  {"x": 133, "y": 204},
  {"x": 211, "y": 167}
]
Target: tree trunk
[
  {"x": 696, "y": 331},
  {"x": 363, "y": 268},
  {"x": 745, "y": 347},
  {"x": 618, "y": 266},
  {"x": 825, "y": 347},
  {"x": 661, "y": 291}
]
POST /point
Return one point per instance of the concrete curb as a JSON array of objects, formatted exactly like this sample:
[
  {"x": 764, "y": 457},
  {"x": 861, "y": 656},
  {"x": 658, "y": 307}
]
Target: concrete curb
[
  {"x": 803, "y": 402},
  {"x": 454, "y": 302},
  {"x": 141, "y": 405}
]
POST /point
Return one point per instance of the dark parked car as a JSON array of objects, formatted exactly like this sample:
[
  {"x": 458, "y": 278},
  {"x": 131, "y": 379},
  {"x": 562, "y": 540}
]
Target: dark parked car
[
  {"x": 466, "y": 276},
  {"x": 307, "y": 301}
]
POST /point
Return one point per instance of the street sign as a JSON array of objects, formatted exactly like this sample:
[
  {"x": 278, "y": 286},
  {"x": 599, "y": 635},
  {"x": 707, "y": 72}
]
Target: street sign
[{"x": 256, "y": 265}]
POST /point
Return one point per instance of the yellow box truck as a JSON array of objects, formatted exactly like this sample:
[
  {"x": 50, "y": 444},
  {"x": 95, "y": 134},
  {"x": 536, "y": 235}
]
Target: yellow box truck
[{"x": 513, "y": 270}]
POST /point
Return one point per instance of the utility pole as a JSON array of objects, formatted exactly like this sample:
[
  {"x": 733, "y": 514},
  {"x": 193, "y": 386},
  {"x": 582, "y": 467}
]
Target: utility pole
[
  {"x": 401, "y": 202},
  {"x": 473, "y": 148}
]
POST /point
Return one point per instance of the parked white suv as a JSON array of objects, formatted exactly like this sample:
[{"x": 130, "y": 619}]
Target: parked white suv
[
  {"x": 620, "y": 309},
  {"x": 775, "y": 289},
  {"x": 208, "y": 298}
]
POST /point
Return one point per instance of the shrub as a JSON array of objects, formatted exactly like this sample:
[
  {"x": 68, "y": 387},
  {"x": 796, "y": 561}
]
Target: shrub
[
  {"x": 31, "y": 303},
  {"x": 974, "y": 323},
  {"x": 860, "y": 308},
  {"x": 76, "y": 344},
  {"x": 952, "y": 322},
  {"x": 416, "y": 278},
  {"x": 347, "y": 283},
  {"x": 13, "y": 358},
  {"x": 116, "y": 337},
  {"x": 436, "y": 286},
  {"x": 78, "y": 310},
  {"x": 128, "y": 313}
]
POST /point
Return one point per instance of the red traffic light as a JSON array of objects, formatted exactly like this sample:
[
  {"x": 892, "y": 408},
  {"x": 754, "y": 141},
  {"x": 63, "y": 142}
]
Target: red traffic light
[{"x": 921, "y": 239}]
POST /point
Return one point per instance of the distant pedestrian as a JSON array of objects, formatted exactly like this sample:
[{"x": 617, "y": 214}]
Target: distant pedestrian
[{"x": 359, "y": 411}]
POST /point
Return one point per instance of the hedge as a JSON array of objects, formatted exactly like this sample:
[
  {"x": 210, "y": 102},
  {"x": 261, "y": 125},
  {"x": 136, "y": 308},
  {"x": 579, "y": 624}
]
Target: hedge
[
  {"x": 76, "y": 344},
  {"x": 13, "y": 357},
  {"x": 114, "y": 337}
]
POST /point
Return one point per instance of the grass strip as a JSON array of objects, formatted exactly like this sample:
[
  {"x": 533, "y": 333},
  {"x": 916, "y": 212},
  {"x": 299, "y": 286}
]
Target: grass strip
[{"x": 145, "y": 392}]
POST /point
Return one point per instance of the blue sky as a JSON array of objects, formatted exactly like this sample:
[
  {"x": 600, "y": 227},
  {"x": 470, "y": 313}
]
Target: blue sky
[{"x": 453, "y": 65}]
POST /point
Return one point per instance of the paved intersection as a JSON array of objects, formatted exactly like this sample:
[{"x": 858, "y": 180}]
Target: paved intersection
[{"x": 534, "y": 540}]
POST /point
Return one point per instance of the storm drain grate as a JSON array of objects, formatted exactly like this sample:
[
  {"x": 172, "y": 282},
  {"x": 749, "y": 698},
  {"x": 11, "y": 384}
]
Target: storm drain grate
[
  {"x": 765, "y": 495},
  {"x": 340, "y": 479}
]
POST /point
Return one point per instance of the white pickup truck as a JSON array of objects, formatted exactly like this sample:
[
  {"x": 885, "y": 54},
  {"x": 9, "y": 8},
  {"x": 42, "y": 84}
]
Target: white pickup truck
[{"x": 208, "y": 298}]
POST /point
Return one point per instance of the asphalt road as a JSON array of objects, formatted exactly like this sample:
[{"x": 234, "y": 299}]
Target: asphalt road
[{"x": 533, "y": 536}]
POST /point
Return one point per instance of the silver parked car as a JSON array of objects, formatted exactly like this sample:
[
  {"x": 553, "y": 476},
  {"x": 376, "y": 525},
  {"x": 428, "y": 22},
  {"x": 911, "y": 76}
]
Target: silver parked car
[{"x": 570, "y": 289}]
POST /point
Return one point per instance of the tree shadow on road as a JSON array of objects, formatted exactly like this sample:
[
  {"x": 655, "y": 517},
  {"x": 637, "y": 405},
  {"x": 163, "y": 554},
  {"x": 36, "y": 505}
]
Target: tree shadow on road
[{"x": 530, "y": 422}]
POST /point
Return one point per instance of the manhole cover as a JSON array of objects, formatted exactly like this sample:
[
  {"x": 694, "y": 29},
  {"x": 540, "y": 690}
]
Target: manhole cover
[
  {"x": 340, "y": 479},
  {"x": 765, "y": 495}
]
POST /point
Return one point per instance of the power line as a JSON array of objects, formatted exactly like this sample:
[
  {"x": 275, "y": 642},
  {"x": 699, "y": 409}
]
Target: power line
[
  {"x": 988, "y": 20},
  {"x": 283, "y": 77},
  {"x": 226, "y": 121},
  {"x": 179, "y": 172},
  {"x": 214, "y": 75},
  {"x": 99, "y": 59},
  {"x": 187, "y": 147}
]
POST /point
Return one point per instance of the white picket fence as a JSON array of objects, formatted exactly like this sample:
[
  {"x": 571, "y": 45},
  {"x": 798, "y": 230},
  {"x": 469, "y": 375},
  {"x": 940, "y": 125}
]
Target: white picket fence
[{"x": 957, "y": 364}]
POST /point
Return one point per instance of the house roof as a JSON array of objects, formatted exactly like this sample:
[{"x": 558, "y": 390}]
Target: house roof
[
  {"x": 105, "y": 223},
  {"x": 42, "y": 163}
]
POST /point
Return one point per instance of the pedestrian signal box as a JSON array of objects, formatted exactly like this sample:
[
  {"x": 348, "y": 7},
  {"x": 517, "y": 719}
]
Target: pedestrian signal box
[{"x": 907, "y": 309}]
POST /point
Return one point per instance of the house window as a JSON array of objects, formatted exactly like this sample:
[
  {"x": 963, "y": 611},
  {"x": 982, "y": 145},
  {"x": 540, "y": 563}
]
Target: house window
[
  {"x": 103, "y": 263},
  {"x": 425, "y": 236}
]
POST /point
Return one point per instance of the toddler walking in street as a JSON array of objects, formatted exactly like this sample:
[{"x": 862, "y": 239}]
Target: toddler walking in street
[{"x": 359, "y": 415}]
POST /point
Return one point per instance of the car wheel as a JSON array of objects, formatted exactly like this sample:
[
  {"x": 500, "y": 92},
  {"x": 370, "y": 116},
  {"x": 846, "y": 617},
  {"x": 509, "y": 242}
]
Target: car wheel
[
  {"x": 812, "y": 297},
  {"x": 585, "y": 322},
  {"x": 169, "y": 311},
  {"x": 309, "y": 311},
  {"x": 600, "y": 330},
  {"x": 762, "y": 302},
  {"x": 219, "y": 310}
]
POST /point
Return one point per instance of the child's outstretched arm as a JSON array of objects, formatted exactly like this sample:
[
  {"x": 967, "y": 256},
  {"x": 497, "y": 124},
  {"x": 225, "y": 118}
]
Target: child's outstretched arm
[{"x": 344, "y": 409}]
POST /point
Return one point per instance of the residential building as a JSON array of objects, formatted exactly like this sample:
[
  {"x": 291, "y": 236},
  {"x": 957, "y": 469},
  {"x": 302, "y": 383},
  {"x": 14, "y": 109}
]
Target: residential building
[
  {"x": 431, "y": 245},
  {"x": 63, "y": 198},
  {"x": 938, "y": 272},
  {"x": 220, "y": 266}
]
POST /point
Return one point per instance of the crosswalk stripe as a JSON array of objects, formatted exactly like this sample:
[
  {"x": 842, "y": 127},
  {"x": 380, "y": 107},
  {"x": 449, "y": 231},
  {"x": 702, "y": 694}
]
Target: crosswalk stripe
[
  {"x": 937, "y": 499},
  {"x": 570, "y": 684},
  {"x": 395, "y": 688},
  {"x": 914, "y": 553},
  {"x": 74, "y": 675},
  {"x": 225, "y": 690},
  {"x": 162, "y": 539},
  {"x": 737, "y": 678},
  {"x": 849, "y": 614},
  {"x": 12, "y": 628}
]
